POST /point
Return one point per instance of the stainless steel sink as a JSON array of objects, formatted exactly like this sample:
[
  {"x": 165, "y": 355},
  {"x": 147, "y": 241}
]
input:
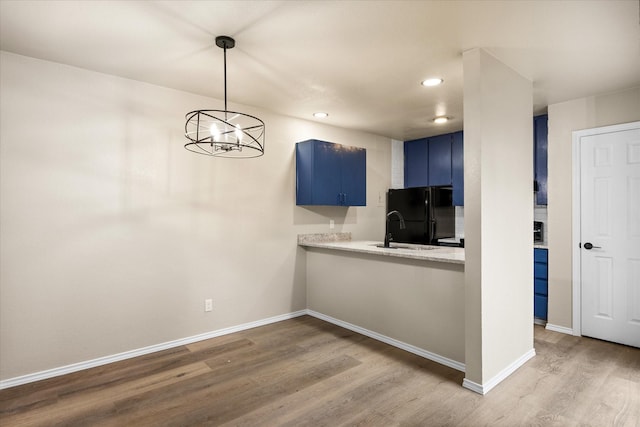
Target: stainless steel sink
[
  {"x": 381, "y": 245},
  {"x": 410, "y": 247}
]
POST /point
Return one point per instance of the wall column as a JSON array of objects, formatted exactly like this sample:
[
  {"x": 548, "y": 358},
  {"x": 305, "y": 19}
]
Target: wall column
[{"x": 498, "y": 173}]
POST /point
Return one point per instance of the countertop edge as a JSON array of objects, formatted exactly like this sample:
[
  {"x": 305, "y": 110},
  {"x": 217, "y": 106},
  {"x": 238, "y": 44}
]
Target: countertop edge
[{"x": 439, "y": 254}]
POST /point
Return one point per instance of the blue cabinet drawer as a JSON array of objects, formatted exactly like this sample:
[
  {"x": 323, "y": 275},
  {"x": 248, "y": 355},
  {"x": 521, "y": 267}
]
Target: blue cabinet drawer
[
  {"x": 540, "y": 286},
  {"x": 540, "y": 271},
  {"x": 541, "y": 255},
  {"x": 540, "y": 283},
  {"x": 540, "y": 306}
]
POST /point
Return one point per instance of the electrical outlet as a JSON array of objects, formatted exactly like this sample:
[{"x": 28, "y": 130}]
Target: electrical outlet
[
  {"x": 332, "y": 224},
  {"x": 208, "y": 305}
]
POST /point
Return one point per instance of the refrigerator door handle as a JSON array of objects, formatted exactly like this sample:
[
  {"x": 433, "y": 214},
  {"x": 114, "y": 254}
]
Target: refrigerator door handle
[
  {"x": 433, "y": 230},
  {"x": 432, "y": 220}
]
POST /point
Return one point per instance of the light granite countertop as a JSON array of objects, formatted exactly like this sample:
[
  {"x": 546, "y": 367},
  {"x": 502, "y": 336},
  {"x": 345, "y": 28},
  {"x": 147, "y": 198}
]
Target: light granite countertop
[
  {"x": 343, "y": 242},
  {"x": 536, "y": 245}
]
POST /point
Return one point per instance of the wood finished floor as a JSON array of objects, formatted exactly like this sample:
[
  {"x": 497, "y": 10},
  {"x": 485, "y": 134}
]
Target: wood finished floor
[{"x": 306, "y": 372}]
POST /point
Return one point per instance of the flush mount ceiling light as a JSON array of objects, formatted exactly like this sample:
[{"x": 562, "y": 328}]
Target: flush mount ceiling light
[
  {"x": 432, "y": 82},
  {"x": 440, "y": 120},
  {"x": 224, "y": 133},
  {"x": 320, "y": 115}
]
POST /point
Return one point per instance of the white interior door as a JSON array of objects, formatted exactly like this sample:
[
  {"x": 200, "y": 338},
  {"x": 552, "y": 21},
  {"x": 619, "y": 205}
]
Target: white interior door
[{"x": 610, "y": 236}]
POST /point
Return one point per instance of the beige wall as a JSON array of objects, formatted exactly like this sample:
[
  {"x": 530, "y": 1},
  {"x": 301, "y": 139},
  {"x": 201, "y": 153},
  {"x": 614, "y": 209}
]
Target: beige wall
[
  {"x": 112, "y": 234},
  {"x": 498, "y": 202},
  {"x": 416, "y": 302},
  {"x": 564, "y": 118}
]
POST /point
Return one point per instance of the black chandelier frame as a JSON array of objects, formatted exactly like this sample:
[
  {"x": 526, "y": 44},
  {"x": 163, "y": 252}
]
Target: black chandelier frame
[{"x": 241, "y": 135}]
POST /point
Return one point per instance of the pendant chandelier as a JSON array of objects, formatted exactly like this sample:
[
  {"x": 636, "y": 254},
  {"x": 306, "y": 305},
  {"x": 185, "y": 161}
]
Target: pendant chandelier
[{"x": 224, "y": 133}]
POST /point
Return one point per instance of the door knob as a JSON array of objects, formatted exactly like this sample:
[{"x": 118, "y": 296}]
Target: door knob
[{"x": 588, "y": 246}]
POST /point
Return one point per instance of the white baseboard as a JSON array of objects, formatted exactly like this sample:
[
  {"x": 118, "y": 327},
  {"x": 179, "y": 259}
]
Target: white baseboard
[
  {"x": 50, "y": 373},
  {"x": 473, "y": 386},
  {"x": 540, "y": 322},
  {"x": 391, "y": 341},
  {"x": 561, "y": 329},
  {"x": 484, "y": 388}
]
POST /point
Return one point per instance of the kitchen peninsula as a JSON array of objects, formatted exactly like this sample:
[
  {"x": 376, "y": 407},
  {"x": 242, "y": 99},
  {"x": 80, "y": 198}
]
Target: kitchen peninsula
[{"x": 410, "y": 296}]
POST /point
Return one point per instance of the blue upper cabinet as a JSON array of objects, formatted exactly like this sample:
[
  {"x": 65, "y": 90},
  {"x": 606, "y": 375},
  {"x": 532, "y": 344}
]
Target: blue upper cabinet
[
  {"x": 330, "y": 174},
  {"x": 325, "y": 181},
  {"x": 416, "y": 163},
  {"x": 354, "y": 176},
  {"x": 457, "y": 168},
  {"x": 540, "y": 145},
  {"x": 440, "y": 160},
  {"x": 437, "y": 160},
  {"x": 427, "y": 161}
]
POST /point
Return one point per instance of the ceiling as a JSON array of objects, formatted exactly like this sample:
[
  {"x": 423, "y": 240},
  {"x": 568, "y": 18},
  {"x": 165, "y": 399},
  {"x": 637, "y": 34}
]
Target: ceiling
[{"x": 360, "y": 61}]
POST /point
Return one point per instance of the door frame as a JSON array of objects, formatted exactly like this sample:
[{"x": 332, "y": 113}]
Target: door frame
[{"x": 576, "y": 213}]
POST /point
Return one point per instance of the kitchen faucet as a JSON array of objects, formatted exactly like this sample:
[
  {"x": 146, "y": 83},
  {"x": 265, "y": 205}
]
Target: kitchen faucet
[{"x": 387, "y": 234}]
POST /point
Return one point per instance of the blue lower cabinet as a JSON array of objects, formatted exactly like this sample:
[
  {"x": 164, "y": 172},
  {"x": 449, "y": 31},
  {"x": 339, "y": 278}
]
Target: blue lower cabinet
[
  {"x": 540, "y": 307},
  {"x": 540, "y": 287},
  {"x": 540, "y": 271},
  {"x": 541, "y": 256},
  {"x": 540, "y": 283}
]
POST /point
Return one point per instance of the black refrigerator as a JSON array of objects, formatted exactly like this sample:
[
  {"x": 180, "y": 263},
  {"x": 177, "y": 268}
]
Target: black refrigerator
[{"x": 428, "y": 214}]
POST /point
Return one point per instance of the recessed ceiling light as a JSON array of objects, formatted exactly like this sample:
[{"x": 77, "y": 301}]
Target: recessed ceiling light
[
  {"x": 432, "y": 82},
  {"x": 320, "y": 115},
  {"x": 440, "y": 120}
]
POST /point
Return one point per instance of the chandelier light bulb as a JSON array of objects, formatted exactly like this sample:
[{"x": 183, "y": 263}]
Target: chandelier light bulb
[{"x": 215, "y": 132}]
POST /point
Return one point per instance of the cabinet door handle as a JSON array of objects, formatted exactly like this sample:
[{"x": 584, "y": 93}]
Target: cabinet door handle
[{"x": 344, "y": 198}]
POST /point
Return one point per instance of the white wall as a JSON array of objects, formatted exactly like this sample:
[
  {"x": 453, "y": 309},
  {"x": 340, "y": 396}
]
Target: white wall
[
  {"x": 397, "y": 164},
  {"x": 498, "y": 200},
  {"x": 564, "y": 118},
  {"x": 112, "y": 234}
]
